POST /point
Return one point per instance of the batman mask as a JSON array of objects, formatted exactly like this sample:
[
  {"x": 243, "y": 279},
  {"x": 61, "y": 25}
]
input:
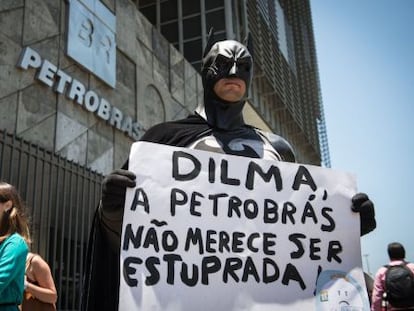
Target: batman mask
[{"x": 224, "y": 59}]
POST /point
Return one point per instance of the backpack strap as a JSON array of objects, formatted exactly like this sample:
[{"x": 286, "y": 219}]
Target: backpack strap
[
  {"x": 405, "y": 263},
  {"x": 29, "y": 262}
]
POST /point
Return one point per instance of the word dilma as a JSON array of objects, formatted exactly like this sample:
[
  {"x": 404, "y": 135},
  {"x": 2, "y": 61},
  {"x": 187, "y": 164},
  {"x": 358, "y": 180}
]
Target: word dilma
[
  {"x": 186, "y": 167},
  {"x": 229, "y": 271}
]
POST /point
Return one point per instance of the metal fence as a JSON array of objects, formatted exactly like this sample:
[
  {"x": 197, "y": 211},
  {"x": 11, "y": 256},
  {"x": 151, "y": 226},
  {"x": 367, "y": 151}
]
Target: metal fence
[{"x": 61, "y": 197}]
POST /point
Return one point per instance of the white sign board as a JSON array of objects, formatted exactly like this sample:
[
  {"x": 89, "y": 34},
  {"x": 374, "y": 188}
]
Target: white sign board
[{"x": 208, "y": 231}]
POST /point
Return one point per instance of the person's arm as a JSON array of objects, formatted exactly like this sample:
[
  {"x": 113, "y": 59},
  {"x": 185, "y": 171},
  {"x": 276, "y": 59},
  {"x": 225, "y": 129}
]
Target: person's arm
[
  {"x": 411, "y": 266},
  {"x": 281, "y": 145},
  {"x": 111, "y": 208},
  {"x": 14, "y": 254},
  {"x": 45, "y": 289},
  {"x": 378, "y": 290}
]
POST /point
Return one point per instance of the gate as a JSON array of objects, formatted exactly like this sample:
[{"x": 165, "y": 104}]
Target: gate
[{"x": 61, "y": 197}]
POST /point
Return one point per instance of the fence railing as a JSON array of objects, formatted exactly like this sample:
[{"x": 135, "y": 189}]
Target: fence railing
[{"x": 61, "y": 197}]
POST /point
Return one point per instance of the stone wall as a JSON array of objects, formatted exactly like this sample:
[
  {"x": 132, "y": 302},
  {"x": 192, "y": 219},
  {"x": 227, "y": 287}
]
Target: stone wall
[{"x": 154, "y": 82}]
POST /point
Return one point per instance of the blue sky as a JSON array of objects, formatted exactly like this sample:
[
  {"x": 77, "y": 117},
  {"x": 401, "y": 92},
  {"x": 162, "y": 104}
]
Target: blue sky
[{"x": 365, "y": 51}]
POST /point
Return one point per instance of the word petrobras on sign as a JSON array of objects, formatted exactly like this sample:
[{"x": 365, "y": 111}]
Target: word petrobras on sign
[
  {"x": 209, "y": 231},
  {"x": 62, "y": 83},
  {"x": 91, "y": 38}
]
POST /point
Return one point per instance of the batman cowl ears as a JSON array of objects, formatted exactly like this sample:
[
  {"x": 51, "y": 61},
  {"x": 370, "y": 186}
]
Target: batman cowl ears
[{"x": 224, "y": 59}]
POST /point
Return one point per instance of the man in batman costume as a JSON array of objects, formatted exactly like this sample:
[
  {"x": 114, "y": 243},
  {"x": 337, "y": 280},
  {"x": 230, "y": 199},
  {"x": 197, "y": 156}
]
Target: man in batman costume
[{"x": 217, "y": 125}]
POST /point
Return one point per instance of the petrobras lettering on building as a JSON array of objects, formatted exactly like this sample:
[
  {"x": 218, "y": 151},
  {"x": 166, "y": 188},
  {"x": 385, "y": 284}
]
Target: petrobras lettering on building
[
  {"x": 91, "y": 38},
  {"x": 75, "y": 90}
]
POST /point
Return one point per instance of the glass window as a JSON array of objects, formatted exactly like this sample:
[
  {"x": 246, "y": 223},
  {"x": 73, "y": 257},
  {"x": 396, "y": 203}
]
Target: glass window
[
  {"x": 170, "y": 31},
  {"x": 212, "y": 4},
  {"x": 197, "y": 65},
  {"x": 192, "y": 50},
  {"x": 150, "y": 13},
  {"x": 220, "y": 36},
  {"x": 146, "y": 2},
  {"x": 216, "y": 19},
  {"x": 281, "y": 29},
  {"x": 191, "y": 7},
  {"x": 169, "y": 10},
  {"x": 192, "y": 27}
]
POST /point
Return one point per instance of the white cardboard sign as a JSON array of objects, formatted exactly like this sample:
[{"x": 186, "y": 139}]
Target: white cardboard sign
[{"x": 208, "y": 231}]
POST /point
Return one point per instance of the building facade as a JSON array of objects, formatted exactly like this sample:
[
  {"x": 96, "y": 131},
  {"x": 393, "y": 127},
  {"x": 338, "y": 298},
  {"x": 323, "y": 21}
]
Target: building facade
[
  {"x": 80, "y": 80},
  {"x": 285, "y": 91}
]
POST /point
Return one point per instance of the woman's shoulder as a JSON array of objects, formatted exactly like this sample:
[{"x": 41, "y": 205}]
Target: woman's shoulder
[
  {"x": 36, "y": 261},
  {"x": 17, "y": 239},
  {"x": 16, "y": 244}
]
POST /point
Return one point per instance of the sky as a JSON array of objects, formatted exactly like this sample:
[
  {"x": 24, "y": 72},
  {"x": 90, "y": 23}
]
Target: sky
[{"x": 365, "y": 52}]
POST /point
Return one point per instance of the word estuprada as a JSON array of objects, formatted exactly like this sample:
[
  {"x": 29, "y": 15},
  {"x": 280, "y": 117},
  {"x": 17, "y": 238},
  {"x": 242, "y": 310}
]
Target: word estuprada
[{"x": 62, "y": 83}]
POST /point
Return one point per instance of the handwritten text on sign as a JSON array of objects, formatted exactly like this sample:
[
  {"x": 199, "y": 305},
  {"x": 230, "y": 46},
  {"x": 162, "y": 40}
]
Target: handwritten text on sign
[{"x": 205, "y": 231}]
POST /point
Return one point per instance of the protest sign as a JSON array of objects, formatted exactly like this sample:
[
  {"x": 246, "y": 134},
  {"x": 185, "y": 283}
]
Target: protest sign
[{"x": 209, "y": 231}]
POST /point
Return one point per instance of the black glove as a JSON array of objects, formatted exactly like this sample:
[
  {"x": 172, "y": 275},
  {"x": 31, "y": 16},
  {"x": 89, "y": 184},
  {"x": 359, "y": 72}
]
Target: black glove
[
  {"x": 111, "y": 209},
  {"x": 364, "y": 206},
  {"x": 114, "y": 189}
]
